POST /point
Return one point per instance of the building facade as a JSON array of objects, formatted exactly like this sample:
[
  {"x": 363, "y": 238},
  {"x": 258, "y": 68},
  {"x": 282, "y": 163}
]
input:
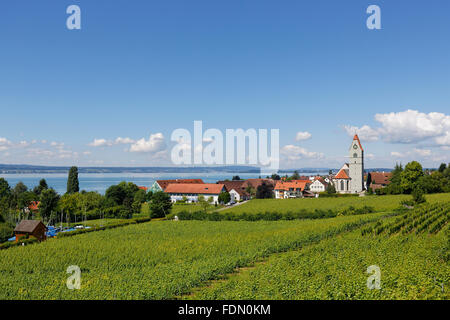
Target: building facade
[{"x": 350, "y": 178}]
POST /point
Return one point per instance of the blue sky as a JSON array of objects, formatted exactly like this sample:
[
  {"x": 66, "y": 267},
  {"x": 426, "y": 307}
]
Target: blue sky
[{"x": 140, "y": 69}]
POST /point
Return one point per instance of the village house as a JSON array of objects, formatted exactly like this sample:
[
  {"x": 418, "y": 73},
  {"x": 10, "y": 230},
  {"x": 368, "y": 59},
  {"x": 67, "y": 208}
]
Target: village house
[
  {"x": 192, "y": 191},
  {"x": 291, "y": 189},
  {"x": 378, "y": 180},
  {"x": 237, "y": 189},
  {"x": 318, "y": 185},
  {"x": 30, "y": 229},
  {"x": 161, "y": 185}
]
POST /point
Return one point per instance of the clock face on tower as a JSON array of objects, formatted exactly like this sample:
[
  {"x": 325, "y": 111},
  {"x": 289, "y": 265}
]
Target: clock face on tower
[{"x": 355, "y": 146}]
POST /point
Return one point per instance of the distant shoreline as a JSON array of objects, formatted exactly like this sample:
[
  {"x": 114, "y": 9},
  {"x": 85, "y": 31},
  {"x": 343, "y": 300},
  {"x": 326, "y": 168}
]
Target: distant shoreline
[{"x": 31, "y": 169}]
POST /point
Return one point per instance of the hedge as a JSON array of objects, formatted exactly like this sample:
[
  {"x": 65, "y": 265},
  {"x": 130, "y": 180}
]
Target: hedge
[
  {"x": 268, "y": 215},
  {"x": 7, "y": 245}
]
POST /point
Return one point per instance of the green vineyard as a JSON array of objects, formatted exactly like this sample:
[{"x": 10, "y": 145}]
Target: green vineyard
[{"x": 427, "y": 218}]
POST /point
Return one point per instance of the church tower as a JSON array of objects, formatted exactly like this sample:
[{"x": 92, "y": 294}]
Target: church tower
[{"x": 356, "y": 164}]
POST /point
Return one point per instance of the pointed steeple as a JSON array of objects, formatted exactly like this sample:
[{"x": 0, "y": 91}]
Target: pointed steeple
[{"x": 359, "y": 142}]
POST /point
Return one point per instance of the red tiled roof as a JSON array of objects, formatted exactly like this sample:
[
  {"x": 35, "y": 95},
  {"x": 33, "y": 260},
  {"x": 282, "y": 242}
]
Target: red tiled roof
[
  {"x": 164, "y": 183},
  {"x": 255, "y": 183},
  {"x": 235, "y": 184},
  {"x": 203, "y": 188},
  {"x": 294, "y": 184},
  {"x": 321, "y": 180},
  {"x": 382, "y": 178},
  {"x": 342, "y": 174},
  {"x": 34, "y": 205},
  {"x": 143, "y": 188},
  {"x": 359, "y": 142}
]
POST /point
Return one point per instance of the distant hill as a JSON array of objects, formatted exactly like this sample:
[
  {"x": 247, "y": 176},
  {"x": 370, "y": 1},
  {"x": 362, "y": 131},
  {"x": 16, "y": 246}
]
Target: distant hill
[{"x": 23, "y": 168}]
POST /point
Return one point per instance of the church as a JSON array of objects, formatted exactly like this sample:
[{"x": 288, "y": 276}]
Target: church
[{"x": 350, "y": 178}]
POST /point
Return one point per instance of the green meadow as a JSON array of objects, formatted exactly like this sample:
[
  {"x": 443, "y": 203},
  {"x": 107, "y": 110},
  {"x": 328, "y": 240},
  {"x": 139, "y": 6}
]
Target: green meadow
[{"x": 379, "y": 203}]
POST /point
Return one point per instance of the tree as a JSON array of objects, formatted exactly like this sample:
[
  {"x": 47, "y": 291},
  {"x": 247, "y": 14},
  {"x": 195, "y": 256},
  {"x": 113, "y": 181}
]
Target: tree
[
  {"x": 275, "y": 177},
  {"x": 236, "y": 178},
  {"x": 140, "y": 196},
  {"x": 160, "y": 205},
  {"x": 48, "y": 203},
  {"x": 5, "y": 189},
  {"x": 20, "y": 188},
  {"x": 73, "y": 185},
  {"x": 331, "y": 188},
  {"x": 418, "y": 196},
  {"x": 442, "y": 167},
  {"x": 264, "y": 191},
  {"x": 250, "y": 190},
  {"x": 410, "y": 175},
  {"x": 369, "y": 180},
  {"x": 204, "y": 203},
  {"x": 224, "y": 197},
  {"x": 295, "y": 175},
  {"x": 116, "y": 194},
  {"x": 41, "y": 187}
]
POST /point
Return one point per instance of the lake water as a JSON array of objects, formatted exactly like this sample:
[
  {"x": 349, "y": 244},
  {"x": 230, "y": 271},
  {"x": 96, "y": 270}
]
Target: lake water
[{"x": 101, "y": 181}]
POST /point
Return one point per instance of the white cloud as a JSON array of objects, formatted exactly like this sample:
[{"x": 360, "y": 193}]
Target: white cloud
[
  {"x": 100, "y": 143},
  {"x": 397, "y": 154},
  {"x": 295, "y": 153},
  {"x": 5, "y": 144},
  {"x": 413, "y": 153},
  {"x": 422, "y": 152},
  {"x": 412, "y": 126},
  {"x": 408, "y": 127},
  {"x": 121, "y": 140},
  {"x": 303, "y": 136},
  {"x": 154, "y": 144},
  {"x": 365, "y": 133}
]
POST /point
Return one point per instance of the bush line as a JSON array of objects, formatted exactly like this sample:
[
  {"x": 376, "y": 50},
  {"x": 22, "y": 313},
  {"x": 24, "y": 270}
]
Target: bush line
[{"x": 269, "y": 216}]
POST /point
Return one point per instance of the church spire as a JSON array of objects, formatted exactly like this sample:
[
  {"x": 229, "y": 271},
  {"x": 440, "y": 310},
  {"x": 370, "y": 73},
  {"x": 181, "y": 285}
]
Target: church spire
[{"x": 359, "y": 142}]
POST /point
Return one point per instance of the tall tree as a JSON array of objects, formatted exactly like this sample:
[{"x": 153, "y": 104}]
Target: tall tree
[
  {"x": 5, "y": 189},
  {"x": 224, "y": 197},
  {"x": 41, "y": 187},
  {"x": 160, "y": 205},
  {"x": 410, "y": 176},
  {"x": 235, "y": 178},
  {"x": 20, "y": 188},
  {"x": 295, "y": 175},
  {"x": 264, "y": 191},
  {"x": 48, "y": 203},
  {"x": 442, "y": 167},
  {"x": 73, "y": 185}
]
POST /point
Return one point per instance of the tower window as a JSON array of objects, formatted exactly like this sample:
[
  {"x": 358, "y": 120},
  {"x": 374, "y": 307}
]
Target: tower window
[{"x": 355, "y": 155}]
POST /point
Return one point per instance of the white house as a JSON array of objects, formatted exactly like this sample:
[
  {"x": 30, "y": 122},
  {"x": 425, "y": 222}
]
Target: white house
[
  {"x": 193, "y": 191},
  {"x": 319, "y": 185},
  {"x": 237, "y": 195},
  {"x": 161, "y": 185},
  {"x": 290, "y": 189}
]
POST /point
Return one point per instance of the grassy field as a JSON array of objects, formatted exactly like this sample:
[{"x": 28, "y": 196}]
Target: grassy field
[
  {"x": 412, "y": 251},
  {"x": 298, "y": 259},
  {"x": 155, "y": 260},
  {"x": 379, "y": 203},
  {"x": 412, "y": 267}
]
